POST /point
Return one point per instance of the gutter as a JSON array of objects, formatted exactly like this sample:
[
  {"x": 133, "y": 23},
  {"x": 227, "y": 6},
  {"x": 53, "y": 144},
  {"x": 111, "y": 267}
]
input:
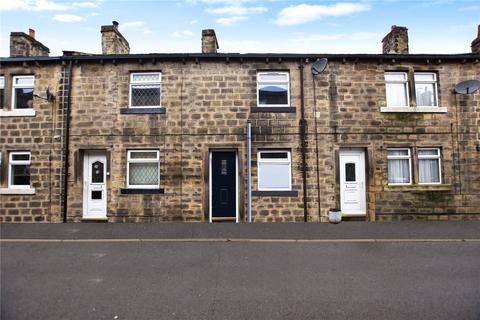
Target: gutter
[
  {"x": 239, "y": 57},
  {"x": 303, "y": 143},
  {"x": 67, "y": 143}
]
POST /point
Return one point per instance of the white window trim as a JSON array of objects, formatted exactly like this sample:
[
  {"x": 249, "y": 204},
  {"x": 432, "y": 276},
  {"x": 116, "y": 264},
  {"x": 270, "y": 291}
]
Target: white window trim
[
  {"x": 405, "y": 82},
  {"x": 275, "y": 161},
  {"x": 434, "y": 82},
  {"x": 149, "y": 160},
  {"x": 17, "y": 162},
  {"x": 430, "y": 157},
  {"x": 132, "y": 83},
  {"x": 17, "y": 113},
  {"x": 21, "y": 86},
  {"x": 409, "y": 157},
  {"x": 273, "y": 81}
]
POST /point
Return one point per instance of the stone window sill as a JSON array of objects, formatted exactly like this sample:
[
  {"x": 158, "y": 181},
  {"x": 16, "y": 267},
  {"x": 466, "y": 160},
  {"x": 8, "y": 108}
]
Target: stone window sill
[
  {"x": 256, "y": 109},
  {"x": 275, "y": 193},
  {"x": 17, "y": 113},
  {"x": 142, "y": 110},
  {"x": 419, "y": 188},
  {"x": 13, "y": 191},
  {"x": 414, "y": 110},
  {"x": 141, "y": 191}
]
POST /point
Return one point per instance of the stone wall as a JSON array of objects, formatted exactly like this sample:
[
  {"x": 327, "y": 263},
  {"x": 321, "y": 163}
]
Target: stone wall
[
  {"x": 207, "y": 106},
  {"x": 34, "y": 134}
]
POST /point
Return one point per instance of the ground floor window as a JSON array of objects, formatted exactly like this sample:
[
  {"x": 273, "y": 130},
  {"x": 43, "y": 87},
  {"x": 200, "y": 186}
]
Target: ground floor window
[
  {"x": 429, "y": 171},
  {"x": 399, "y": 166},
  {"x": 19, "y": 170},
  {"x": 143, "y": 169},
  {"x": 274, "y": 171}
]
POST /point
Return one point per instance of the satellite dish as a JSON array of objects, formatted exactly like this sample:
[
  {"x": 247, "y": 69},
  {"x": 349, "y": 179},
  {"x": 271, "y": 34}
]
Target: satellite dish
[
  {"x": 319, "y": 65},
  {"x": 467, "y": 87}
]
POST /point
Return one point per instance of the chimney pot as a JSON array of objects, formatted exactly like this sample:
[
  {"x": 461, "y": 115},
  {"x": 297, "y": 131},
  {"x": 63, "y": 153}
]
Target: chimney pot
[
  {"x": 31, "y": 33},
  {"x": 113, "y": 42}
]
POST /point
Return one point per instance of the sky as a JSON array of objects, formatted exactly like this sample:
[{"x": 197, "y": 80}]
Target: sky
[{"x": 244, "y": 26}]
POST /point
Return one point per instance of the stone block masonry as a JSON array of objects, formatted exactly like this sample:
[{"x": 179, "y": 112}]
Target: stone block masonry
[{"x": 206, "y": 101}]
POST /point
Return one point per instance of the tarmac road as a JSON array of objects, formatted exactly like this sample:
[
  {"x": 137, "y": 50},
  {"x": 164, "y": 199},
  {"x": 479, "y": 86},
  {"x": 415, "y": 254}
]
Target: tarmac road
[{"x": 206, "y": 276}]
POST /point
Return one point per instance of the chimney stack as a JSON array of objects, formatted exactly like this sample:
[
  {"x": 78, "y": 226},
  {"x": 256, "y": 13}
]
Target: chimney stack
[
  {"x": 209, "y": 41},
  {"x": 113, "y": 41},
  {"x": 396, "y": 41},
  {"x": 476, "y": 42},
  {"x": 25, "y": 45}
]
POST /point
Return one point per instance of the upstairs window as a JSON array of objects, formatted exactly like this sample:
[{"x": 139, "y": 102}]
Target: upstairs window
[
  {"x": 273, "y": 89},
  {"x": 2, "y": 90},
  {"x": 399, "y": 166},
  {"x": 143, "y": 169},
  {"x": 429, "y": 166},
  {"x": 426, "y": 89},
  {"x": 22, "y": 92},
  {"x": 274, "y": 171},
  {"x": 19, "y": 170},
  {"x": 145, "y": 90},
  {"x": 396, "y": 85}
]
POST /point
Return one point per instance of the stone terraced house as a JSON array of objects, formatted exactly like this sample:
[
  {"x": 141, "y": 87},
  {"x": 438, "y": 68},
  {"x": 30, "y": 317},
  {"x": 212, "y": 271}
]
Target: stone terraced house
[{"x": 123, "y": 137}]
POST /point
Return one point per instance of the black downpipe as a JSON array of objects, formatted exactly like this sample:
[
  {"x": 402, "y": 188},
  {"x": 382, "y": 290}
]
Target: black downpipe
[
  {"x": 303, "y": 143},
  {"x": 67, "y": 143}
]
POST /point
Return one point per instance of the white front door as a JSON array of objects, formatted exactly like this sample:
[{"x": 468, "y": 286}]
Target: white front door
[
  {"x": 95, "y": 185},
  {"x": 352, "y": 182}
]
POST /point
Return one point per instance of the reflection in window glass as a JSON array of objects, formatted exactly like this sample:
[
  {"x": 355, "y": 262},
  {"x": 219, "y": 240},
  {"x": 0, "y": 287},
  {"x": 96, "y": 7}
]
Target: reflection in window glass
[
  {"x": 350, "y": 172},
  {"x": 273, "y": 89}
]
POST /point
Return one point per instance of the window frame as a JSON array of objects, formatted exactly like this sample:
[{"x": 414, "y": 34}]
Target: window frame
[
  {"x": 21, "y": 86},
  {"x": 404, "y": 82},
  {"x": 144, "y": 160},
  {"x": 132, "y": 83},
  {"x": 274, "y": 81},
  {"x": 2, "y": 87},
  {"x": 438, "y": 157},
  {"x": 12, "y": 162},
  {"x": 401, "y": 157},
  {"x": 435, "y": 85},
  {"x": 274, "y": 161}
]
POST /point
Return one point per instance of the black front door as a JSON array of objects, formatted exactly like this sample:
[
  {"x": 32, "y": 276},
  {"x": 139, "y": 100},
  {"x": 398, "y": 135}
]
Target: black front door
[{"x": 224, "y": 185}]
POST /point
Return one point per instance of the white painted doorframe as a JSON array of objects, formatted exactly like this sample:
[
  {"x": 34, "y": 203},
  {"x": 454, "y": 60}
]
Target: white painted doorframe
[
  {"x": 210, "y": 182},
  {"x": 353, "y": 195},
  {"x": 95, "y": 192}
]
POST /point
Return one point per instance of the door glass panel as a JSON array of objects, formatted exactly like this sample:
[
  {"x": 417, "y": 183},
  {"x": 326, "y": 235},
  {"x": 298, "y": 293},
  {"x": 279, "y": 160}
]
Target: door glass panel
[
  {"x": 350, "y": 172},
  {"x": 224, "y": 171},
  {"x": 97, "y": 172},
  {"x": 96, "y": 195}
]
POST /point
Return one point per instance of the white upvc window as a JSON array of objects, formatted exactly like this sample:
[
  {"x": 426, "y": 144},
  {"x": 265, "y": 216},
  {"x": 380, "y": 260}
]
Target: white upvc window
[
  {"x": 145, "y": 90},
  {"x": 274, "y": 170},
  {"x": 399, "y": 166},
  {"x": 22, "y": 92},
  {"x": 19, "y": 170},
  {"x": 273, "y": 89},
  {"x": 426, "y": 89},
  {"x": 2, "y": 91},
  {"x": 396, "y": 85},
  {"x": 429, "y": 166},
  {"x": 143, "y": 169}
]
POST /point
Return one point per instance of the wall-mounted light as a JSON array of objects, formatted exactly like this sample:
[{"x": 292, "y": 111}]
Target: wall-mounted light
[{"x": 48, "y": 96}]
